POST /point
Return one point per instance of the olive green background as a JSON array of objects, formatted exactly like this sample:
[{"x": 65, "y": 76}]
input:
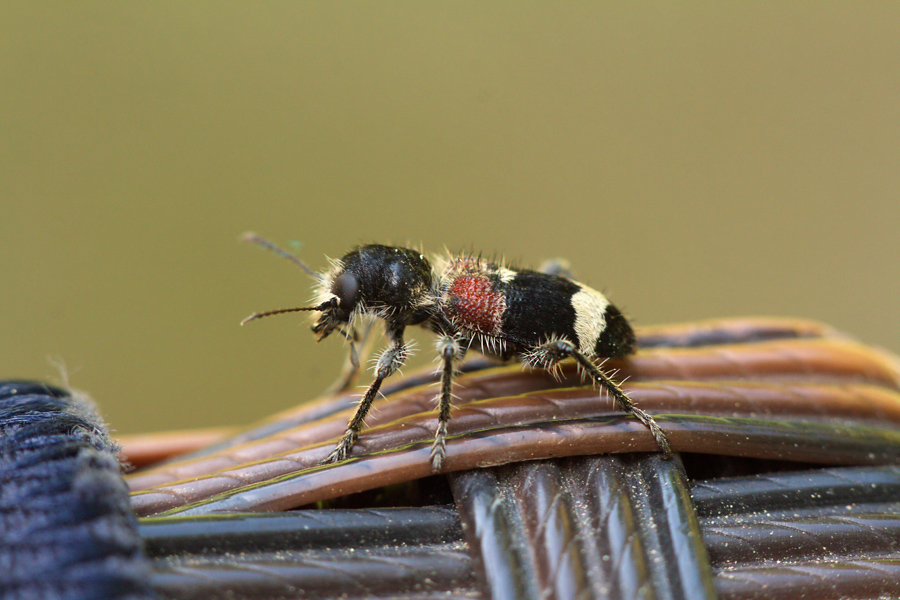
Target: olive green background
[{"x": 693, "y": 160}]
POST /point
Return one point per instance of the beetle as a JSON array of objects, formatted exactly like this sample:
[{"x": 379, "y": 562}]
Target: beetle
[{"x": 537, "y": 317}]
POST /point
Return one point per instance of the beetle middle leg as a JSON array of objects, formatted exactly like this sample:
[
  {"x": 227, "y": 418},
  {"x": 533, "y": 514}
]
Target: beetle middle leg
[
  {"x": 557, "y": 266},
  {"x": 450, "y": 350}
]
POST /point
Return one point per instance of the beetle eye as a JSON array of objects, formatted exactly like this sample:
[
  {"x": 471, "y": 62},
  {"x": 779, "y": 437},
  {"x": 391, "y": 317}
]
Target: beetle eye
[{"x": 346, "y": 288}]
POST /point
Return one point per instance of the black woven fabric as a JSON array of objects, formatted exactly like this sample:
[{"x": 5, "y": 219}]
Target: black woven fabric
[{"x": 66, "y": 526}]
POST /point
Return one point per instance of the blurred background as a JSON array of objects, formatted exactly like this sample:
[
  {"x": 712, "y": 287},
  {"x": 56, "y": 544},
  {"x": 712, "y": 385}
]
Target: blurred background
[{"x": 693, "y": 160}]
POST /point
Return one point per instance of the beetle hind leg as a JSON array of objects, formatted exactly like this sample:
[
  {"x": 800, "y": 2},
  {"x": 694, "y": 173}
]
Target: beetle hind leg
[{"x": 549, "y": 354}]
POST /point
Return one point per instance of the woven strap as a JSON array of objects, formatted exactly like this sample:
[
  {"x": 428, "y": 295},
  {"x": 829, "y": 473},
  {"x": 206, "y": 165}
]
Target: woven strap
[{"x": 66, "y": 526}]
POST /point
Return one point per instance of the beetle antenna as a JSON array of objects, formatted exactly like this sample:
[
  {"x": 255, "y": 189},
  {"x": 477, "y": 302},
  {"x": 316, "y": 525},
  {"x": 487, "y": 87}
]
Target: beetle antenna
[
  {"x": 269, "y": 313},
  {"x": 254, "y": 238}
]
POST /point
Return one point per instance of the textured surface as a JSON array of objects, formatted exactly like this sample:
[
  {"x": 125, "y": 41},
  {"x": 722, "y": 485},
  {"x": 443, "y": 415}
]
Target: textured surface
[
  {"x": 773, "y": 389},
  {"x": 602, "y": 527},
  {"x": 398, "y": 553},
  {"x": 535, "y": 503},
  {"x": 66, "y": 528},
  {"x": 755, "y": 407},
  {"x": 611, "y": 527}
]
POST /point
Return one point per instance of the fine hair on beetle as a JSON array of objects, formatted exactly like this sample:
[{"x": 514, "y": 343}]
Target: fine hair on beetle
[{"x": 537, "y": 317}]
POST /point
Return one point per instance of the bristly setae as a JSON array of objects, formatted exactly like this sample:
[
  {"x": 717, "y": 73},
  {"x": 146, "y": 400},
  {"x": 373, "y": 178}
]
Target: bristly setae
[{"x": 539, "y": 318}]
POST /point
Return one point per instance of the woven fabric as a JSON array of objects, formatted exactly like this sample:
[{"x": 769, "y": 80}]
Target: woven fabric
[{"x": 66, "y": 526}]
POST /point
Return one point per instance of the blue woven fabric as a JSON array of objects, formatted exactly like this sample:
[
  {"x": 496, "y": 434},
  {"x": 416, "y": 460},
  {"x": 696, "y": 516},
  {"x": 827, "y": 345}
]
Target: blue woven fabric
[{"x": 66, "y": 527}]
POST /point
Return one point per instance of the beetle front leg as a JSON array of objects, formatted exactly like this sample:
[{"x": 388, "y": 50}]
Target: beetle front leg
[{"x": 391, "y": 360}]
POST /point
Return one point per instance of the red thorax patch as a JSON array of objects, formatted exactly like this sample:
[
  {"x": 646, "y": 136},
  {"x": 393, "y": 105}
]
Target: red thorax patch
[{"x": 475, "y": 305}]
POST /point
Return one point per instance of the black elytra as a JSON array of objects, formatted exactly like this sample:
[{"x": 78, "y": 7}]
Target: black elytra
[{"x": 536, "y": 317}]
